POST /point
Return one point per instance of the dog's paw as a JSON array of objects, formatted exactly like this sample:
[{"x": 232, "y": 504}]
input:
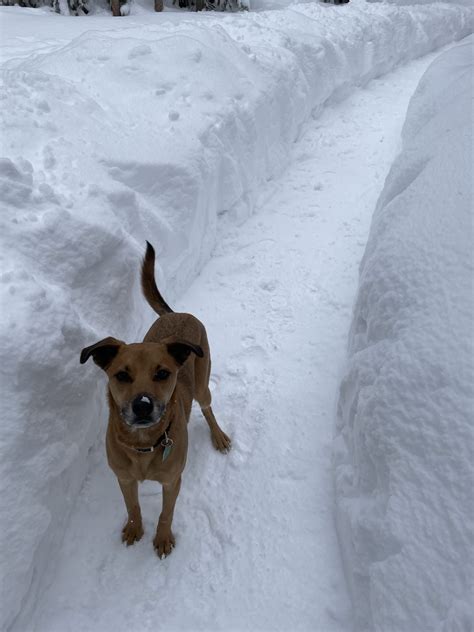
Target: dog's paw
[
  {"x": 221, "y": 441},
  {"x": 163, "y": 543},
  {"x": 132, "y": 532}
]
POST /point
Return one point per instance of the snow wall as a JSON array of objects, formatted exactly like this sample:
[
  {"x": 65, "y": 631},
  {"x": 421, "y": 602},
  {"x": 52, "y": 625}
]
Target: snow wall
[
  {"x": 404, "y": 3},
  {"x": 133, "y": 133},
  {"x": 405, "y": 444}
]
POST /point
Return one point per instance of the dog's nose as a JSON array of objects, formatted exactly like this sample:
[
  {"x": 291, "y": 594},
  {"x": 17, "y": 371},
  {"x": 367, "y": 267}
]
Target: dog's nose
[{"x": 142, "y": 406}]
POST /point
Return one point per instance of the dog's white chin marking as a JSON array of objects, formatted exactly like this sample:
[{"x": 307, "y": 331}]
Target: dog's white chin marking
[
  {"x": 135, "y": 425},
  {"x": 142, "y": 426}
]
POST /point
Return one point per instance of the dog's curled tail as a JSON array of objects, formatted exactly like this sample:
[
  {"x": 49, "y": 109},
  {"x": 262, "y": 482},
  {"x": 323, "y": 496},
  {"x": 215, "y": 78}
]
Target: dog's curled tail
[{"x": 150, "y": 291}]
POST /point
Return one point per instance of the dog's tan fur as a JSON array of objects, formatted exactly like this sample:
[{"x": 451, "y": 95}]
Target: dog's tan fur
[{"x": 176, "y": 344}]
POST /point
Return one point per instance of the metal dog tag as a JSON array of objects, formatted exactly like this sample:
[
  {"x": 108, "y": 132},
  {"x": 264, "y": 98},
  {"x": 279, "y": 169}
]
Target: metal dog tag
[{"x": 167, "y": 443}]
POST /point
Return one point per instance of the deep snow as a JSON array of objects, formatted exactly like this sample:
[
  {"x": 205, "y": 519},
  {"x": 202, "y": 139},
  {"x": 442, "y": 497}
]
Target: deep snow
[
  {"x": 404, "y": 454},
  {"x": 116, "y": 131},
  {"x": 257, "y": 546}
]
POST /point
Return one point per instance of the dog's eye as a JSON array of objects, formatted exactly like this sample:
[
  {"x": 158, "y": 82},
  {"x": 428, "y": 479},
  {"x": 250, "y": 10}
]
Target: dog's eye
[
  {"x": 123, "y": 376},
  {"x": 160, "y": 375}
]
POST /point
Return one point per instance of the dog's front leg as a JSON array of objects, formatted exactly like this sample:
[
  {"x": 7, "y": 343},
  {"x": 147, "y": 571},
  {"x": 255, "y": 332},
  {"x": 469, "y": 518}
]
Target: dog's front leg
[
  {"x": 164, "y": 539},
  {"x": 133, "y": 530}
]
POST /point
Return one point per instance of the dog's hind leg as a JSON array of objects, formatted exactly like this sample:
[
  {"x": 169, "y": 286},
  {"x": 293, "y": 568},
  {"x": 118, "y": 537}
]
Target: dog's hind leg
[
  {"x": 133, "y": 530},
  {"x": 202, "y": 394},
  {"x": 219, "y": 438}
]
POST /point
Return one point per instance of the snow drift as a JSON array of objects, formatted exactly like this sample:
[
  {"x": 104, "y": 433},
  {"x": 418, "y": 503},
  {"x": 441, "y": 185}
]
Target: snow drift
[
  {"x": 128, "y": 132},
  {"x": 413, "y": 2},
  {"x": 404, "y": 451}
]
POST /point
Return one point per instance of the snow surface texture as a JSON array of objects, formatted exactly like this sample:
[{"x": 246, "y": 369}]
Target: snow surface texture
[
  {"x": 257, "y": 546},
  {"x": 111, "y": 136},
  {"x": 467, "y": 3},
  {"x": 404, "y": 453}
]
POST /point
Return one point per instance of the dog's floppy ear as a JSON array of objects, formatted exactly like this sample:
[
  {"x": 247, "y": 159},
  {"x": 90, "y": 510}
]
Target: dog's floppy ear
[
  {"x": 180, "y": 350},
  {"x": 103, "y": 352}
]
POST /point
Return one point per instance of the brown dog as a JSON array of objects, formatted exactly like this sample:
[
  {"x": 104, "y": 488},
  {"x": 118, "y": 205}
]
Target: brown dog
[{"x": 151, "y": 388}]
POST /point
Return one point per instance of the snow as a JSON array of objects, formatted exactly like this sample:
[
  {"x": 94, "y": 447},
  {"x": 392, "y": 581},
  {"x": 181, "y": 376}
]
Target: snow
[
  {"x": 169, "y": 128},
  {"x": 467, "y": 3},
  {"x": 404, "y": 466},
  {"x": 255, "y": 528}
]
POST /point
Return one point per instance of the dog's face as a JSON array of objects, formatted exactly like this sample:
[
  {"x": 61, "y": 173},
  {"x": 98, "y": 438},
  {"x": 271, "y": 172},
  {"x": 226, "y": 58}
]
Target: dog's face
[{"x": 142, "y": 376}]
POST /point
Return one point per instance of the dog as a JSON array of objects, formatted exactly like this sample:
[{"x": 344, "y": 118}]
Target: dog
[{"x": 151, "y": 387}]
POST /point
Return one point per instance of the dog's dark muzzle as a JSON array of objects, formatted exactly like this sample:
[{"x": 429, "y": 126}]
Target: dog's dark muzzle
[
  {"x": 145, "y": 411},
  {"x": 142, "y": 406}
]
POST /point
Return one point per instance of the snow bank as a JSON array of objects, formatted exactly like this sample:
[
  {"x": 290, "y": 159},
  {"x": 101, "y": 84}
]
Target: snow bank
[
  {"x": 404, "y": 451},
  {"x": 467, "y": 3},
  {"x": 133, "y": 131}
]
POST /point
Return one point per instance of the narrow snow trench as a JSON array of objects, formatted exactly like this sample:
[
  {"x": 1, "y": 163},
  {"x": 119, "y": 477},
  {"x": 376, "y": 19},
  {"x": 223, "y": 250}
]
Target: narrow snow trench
[{"x": 256, "y": 543}]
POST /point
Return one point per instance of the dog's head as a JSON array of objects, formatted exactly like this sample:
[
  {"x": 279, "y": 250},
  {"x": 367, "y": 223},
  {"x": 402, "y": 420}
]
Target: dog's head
[{"x": 142, "y": 376}]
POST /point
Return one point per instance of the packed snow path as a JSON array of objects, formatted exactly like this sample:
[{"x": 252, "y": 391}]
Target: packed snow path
[{"x": 256, "y": 541}]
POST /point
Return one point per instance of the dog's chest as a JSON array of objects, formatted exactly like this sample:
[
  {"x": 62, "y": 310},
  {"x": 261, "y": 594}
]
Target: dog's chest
[
  {"x": 153, "y": 467},
  {"x": 143, "y": 465}
]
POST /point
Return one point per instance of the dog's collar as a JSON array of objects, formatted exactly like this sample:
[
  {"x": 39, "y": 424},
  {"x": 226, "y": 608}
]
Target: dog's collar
[{"x": 163, "y": 440}]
